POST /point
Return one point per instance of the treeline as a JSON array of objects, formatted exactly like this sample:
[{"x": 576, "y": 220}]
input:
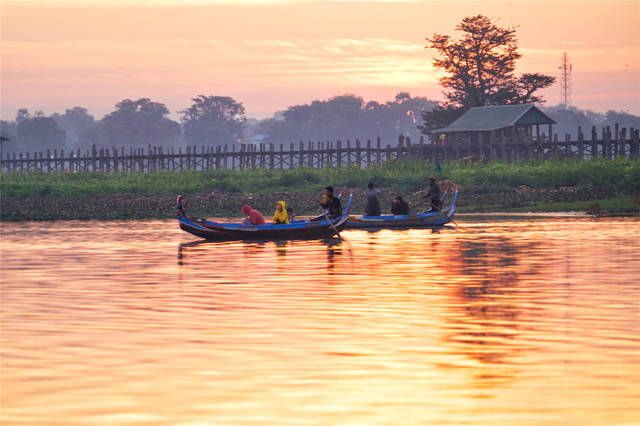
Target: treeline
[
  {"x": 219, "y": 120},
  {"x": 210, "y": 121}
]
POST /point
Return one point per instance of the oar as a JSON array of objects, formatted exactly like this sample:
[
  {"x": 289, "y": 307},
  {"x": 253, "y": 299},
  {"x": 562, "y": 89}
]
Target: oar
[{"x": 326, "y": 215}]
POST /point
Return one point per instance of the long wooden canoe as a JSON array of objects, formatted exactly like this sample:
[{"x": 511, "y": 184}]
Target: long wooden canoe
[
  {"x": 299, "y": 229},
  {"x": 412, "y": 220}
]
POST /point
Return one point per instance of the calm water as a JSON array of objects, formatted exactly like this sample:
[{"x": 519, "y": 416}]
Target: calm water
[{"x": 500, "y": 321}]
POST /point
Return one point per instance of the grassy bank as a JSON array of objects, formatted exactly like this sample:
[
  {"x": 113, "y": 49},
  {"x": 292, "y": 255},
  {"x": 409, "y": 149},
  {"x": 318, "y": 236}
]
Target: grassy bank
[
  {"x": 622, "y": 175},
  {"x": 527, "y": 186}
]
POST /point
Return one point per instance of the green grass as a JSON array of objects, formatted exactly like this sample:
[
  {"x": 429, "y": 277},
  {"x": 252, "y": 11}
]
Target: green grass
[
  {"x": 624, "y": 205},
  {"x": 622, "y": 175}
]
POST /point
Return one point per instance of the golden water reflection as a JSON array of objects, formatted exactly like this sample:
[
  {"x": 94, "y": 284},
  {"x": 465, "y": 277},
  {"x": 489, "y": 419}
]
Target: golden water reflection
[{"x": 494, "y": 322}]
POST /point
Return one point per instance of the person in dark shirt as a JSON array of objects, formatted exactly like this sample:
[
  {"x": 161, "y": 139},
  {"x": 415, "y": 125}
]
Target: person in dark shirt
[
  {"x": 331, "y": 203},
  {"x": 291, "y": 214},
  {"x": 434, "y": 194},
  {"x": 373, "y": 204},
  {"x": 399, "y": 206}
]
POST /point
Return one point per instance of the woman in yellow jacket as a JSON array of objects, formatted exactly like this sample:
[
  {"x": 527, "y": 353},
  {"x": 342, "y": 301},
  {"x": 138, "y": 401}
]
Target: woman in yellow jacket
[{"x": 280, "y": 216}]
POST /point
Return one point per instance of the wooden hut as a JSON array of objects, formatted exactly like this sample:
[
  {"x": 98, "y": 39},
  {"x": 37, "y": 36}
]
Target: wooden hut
[{"x": 481, "y": 128}]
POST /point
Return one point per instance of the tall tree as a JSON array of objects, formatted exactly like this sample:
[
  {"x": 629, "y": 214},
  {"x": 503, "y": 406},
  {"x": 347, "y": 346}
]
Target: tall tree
[
  {"x": 75, "y": 121},
  {"x": 35, "y": 132},
  {"x": 213, "y": 120},
  {"x": 349, "y": 117},
  {"x": 135, "y": 124},
  {"x": 479, "y": 70}
]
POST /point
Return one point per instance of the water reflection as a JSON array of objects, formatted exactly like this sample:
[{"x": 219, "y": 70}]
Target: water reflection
[
  {"x": 528, "y": 322},
  {"x": 486, "y": 315}
]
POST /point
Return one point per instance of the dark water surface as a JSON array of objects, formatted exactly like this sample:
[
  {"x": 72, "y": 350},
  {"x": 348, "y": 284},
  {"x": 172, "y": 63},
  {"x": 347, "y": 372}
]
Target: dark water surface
[{"x": 500, "y": 321}]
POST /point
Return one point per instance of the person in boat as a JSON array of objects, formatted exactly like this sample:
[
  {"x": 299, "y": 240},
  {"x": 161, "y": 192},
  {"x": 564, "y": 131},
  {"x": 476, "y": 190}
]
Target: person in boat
[
  {"x": 434, "y": 194},
  {"x": 291, "y": 214},
  {"x": 280, "y": 217},
  {"x": 399, "y": 206},
  {"x": 373, "y": 204},
  {"x": 331, "y": 203},
  {"x": 253, "y": 217}
]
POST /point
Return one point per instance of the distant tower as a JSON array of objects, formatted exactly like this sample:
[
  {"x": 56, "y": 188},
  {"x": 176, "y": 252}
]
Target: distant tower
[{"x": 565, "y": 80}]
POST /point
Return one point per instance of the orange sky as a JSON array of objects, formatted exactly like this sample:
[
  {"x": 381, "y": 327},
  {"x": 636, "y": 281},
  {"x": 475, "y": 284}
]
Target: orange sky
[{"x": 271, "y": 54}]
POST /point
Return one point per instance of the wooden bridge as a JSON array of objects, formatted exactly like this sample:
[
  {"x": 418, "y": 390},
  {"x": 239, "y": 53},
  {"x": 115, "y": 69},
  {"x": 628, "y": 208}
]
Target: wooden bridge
[{"x": 610, "y": 144}]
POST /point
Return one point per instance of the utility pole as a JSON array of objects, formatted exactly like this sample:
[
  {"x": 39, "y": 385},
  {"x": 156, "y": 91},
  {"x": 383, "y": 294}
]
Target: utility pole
[{"x": 565, "y": 80}]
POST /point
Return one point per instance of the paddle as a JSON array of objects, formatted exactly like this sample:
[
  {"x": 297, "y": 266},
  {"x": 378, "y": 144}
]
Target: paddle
[{"x": 326, "y": 215}]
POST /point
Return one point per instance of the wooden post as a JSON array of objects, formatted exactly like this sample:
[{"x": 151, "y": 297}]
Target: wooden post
[
  {"x": 301, "y": 154},
  {"x": 358, "y": 154},
  {"x": 272, "y": 161},
  {"x": 338, "y": 153},
  {"x": 492, "y": 145},
  {"x": 233, "y": 156},
  {"x": 567, "y": 145},
  {"x": 580, "y": 144},
  {"x": 281, "y": 156},
  {"x": 594, "y": 143},
  {"x": 310, "y": 155},
  {"x": 634, "y": 143},
  {"x": 606, "y": 137},
  {"x": 378, "y": 149},
  {"x": 291, "y": 155},
  {"x": 623, "y": 142},
  {"x": 348, "y": 162},
  {"x": 106, "y": 161},
  {"x": 368, "y": 152}
]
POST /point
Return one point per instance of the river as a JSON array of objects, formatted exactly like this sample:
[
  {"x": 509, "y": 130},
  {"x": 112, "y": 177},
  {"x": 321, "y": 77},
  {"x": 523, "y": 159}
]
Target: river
[{"x": 500, "y": 320}]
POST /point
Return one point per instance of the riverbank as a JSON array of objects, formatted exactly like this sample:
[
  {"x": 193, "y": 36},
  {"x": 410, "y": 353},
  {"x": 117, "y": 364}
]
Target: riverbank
[
  {"x": 604, "y": 187},
  {"x": 215, "y": 204}
]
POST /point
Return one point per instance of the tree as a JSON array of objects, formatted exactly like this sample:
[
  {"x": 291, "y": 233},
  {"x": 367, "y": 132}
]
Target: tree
[
  {"x": 479, "y": 71},
  {"x": 75, "y": 122},
  {"x": 213, "y": 120},
  {"x": 37, "y": 132},
  {"x": 349, "y": 117},
  {"x": 134, "y": 124}
]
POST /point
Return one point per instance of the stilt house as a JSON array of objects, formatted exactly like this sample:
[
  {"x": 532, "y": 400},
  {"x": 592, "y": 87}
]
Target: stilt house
[{"x": 490, "y": 124}]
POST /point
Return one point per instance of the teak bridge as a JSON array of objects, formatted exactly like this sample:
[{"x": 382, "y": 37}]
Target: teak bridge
[{"x": 610, "y": 144}]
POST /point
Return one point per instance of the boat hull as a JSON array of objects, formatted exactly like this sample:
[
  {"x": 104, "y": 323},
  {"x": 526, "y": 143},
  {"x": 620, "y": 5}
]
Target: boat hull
[
  {"x": 215, "y": 232},
  {"x": 297, "y": 230},
  {"x": 413, "y": 220}
]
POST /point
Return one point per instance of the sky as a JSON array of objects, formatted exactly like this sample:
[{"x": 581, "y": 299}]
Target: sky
[{"x": 268, "y": 55}]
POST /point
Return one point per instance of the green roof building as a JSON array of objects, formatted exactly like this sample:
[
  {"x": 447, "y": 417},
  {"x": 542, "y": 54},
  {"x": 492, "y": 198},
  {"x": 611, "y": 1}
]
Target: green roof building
[{"x": 500, "y": 120}]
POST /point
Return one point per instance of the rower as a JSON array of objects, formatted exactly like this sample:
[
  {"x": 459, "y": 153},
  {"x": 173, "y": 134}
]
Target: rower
[
  {"x": 331, "y": 203},
  {"x": 434, "y": 193}
]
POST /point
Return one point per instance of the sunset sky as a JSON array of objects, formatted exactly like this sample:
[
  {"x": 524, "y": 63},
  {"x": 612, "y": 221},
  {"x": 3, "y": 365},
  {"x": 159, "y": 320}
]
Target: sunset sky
[{"x": 268, "y": 55}]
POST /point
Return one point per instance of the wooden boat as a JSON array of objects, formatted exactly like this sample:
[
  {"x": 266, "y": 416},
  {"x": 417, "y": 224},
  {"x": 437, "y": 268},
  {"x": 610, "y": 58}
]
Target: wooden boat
[
  {"x": 296, "y": 230},
  {"x": 412, "y": 220}
]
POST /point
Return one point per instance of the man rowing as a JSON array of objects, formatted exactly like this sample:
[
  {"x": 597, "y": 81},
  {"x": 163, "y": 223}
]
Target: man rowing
[
  {"x": 434, "y": 193},
  {"x": 331, "y": 203}
]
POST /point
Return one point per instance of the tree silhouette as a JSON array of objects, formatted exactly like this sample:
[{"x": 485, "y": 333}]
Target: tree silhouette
[
  {"x": 36, "y": 132},
  {"x": 213, "y": 120},
  {"x": 349, "y": 117},
  {"x": 135, "y": 124},
  {"x": 479, "y": 70},
  {"x": 75, "y": 122}
]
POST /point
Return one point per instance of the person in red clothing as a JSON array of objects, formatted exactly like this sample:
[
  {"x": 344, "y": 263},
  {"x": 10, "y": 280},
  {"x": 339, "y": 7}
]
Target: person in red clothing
[{"x": 253, "y": 216}]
